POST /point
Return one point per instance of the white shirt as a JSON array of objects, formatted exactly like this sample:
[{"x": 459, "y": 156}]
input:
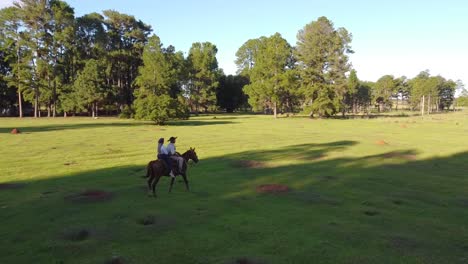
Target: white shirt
[
  {"x": 162, "y": 149},
  {"x": 171, "y": 149}
]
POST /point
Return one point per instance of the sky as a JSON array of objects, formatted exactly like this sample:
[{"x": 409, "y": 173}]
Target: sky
[{"x": 399, "y": 37}]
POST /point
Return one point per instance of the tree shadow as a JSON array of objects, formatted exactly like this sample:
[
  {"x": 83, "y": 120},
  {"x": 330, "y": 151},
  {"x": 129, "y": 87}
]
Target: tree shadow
[
  {"x": 59, "y": 127},
  {"x": 385, "y": 208},
  {"x": 198, "y": 122}
]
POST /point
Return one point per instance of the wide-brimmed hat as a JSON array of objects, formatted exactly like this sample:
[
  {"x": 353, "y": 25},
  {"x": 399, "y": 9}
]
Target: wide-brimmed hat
[{"x": 172, "y": 139}]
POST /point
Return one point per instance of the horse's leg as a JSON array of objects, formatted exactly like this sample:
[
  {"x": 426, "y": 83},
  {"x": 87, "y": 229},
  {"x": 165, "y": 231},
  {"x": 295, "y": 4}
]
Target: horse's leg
[
  {"x": 186, "y": 181},
  {"x": 172, "y": 183},
  {"x": 150, "y": 180},
  {"x": 154, "y": 185}
]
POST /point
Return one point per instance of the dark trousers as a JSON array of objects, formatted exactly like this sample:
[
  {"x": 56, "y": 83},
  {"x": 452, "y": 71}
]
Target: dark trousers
[{"x": 166, "y": 158}]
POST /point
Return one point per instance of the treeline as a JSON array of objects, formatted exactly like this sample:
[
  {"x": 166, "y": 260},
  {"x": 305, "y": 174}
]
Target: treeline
[
  {"x": 316, "y": 77},
  {"x": 52, "y": 63}
]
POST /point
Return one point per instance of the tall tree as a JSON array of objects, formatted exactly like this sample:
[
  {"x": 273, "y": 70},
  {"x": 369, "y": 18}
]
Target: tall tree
[
  {"x": 203, "y": 75},
  {"x": 322, "y": 54},
  {"x": 229, "y": 95},
  {"x": 36, "y": 16},
  {"x": 383, "y": 91},
  {"x": 156, "y": 81},
  {"x": 90, "y": 86},
  {"x": 268, "y": 63},
  {"x": 127, "y": 38},
  {"x": 14, "y": 52}
]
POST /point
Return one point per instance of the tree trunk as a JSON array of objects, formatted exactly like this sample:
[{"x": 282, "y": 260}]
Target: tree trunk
[
  {"x": 274, "y": 110},
  {"x": 20, "y": 103},
  {"x": 97, "y": 108},
  {"x": 64, "y": 113},
  {"x": 429, "y": 106},
  {"x": 54, "y": 99},
  {"x": 36, "y": 102},
  {"x": 92, "y": 110},
  {"x": 422, "y": 106},
  {"x": 48, "y": 110}
]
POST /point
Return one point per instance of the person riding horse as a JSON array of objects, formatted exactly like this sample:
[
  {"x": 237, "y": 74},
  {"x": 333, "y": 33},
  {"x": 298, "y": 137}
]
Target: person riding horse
[
  {"x": 164, "y": 155},
  {"x": 171, "y": 149}
]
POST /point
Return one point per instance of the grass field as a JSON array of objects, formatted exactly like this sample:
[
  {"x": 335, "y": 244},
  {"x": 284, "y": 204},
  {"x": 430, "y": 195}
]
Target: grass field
[{"x": 388, "y": 190}]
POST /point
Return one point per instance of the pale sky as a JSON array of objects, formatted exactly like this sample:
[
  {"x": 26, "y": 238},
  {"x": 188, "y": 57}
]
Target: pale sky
[{"x": 399, "y": 37}]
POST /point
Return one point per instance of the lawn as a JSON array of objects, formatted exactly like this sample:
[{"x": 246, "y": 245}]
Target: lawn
[{"x": 386, "y": 190}]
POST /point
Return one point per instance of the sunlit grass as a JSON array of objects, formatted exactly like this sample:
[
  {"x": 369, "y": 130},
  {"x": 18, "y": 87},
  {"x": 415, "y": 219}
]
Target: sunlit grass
[{"x": 385, "y": 190}]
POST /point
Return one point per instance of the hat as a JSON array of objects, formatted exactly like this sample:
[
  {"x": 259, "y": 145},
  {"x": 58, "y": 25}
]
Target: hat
[
  {"x": 161, "y": 140},
  {"x": 172, "y": 139}
]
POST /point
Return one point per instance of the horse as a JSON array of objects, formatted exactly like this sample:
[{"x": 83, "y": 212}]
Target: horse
[{"x": 158, "y": 168}]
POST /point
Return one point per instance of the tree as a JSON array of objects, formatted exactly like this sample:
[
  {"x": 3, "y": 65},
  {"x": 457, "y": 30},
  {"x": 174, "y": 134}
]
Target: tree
[
  {"x": 14, "y": 52},
  {"x": 323, "y": 63},
  {"x": 353, "y": 87},
  {"x": 267, "y": 61},
  {"x": 383, "y": 90},
  {"x": 127, "y": 37},
  {"x": 90, "y": 86},
  {"x": 157, "y": 78},
  {"x": 229, "y": 94},
  {"x": 203, "y": 74}
]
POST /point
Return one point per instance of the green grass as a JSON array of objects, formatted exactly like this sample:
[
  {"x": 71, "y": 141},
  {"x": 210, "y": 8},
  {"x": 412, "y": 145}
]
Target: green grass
[{"x": 387, "y": 190}]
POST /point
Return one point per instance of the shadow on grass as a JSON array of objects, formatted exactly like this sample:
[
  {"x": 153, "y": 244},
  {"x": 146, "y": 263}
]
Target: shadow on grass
[
  {"x": 58, "y": 127},
  {"x": 208, "y": 122},
  {"x": 98, "y": 124},
  {"x": 385, "y": 208}
]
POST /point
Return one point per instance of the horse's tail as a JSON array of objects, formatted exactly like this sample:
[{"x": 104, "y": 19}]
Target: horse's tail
[{"x": 149, "y": 169}]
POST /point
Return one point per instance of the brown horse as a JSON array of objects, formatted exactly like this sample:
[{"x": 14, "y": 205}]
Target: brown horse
[{"x": 158, "y": 168}]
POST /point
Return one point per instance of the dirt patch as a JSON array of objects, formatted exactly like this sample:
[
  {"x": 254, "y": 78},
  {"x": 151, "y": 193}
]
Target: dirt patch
[
  {"x": 371, "y": 213},
  {"x": 90, "y": 196},
  {"x": 76, "y": 234},
  {"x": 381, "y": 143},
  {"x": 272, "y": 188},
  {"x": 70, "y": 163},
  {"x": 147, "y": 220},
  {"x": 403, "y": 126},
  {"x": 249, "y": 164},
  {"x": 10, "y": 186},
  {"x": 158, "y": 222},
  {"x": 115, "y": 260},
  {"x": 15, "y": 131},
  {"x": 245, "y": 260}
]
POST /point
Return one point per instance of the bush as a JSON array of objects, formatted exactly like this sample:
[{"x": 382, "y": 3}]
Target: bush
[{"x": 127, "y": 112}]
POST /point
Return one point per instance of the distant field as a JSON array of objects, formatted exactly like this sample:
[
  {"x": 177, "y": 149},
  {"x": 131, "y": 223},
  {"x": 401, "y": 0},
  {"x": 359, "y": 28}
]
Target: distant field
[{"x": 385, "y": 190}]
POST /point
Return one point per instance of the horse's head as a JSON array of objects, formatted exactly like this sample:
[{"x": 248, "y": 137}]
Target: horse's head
[{"x": 191, "y": 154}]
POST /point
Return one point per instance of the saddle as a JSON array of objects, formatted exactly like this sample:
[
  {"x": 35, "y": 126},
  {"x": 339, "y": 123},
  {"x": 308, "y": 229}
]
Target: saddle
[{"x": 172, "y": 165}]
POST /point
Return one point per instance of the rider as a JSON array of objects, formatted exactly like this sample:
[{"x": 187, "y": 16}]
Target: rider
[
  {"x": 163, "y": 155},
  {"x": 171, "y": 149}
]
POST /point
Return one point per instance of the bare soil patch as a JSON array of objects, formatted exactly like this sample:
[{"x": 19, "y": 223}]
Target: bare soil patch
[
  {"x": 76, "y": 234},
  {"x": 90, "y": 196},
  {"x": 272, "y": 188},
  {"x": 154, "y": 221},
  {"x": 15, "y": 131},
  {"x": 245, "y": 260},
  {"x": 116, "y": 260},
  {"x": 381, "y": 143},
  {"x": 371, "y": 213},
  {"x": 249, "y": 164}
]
